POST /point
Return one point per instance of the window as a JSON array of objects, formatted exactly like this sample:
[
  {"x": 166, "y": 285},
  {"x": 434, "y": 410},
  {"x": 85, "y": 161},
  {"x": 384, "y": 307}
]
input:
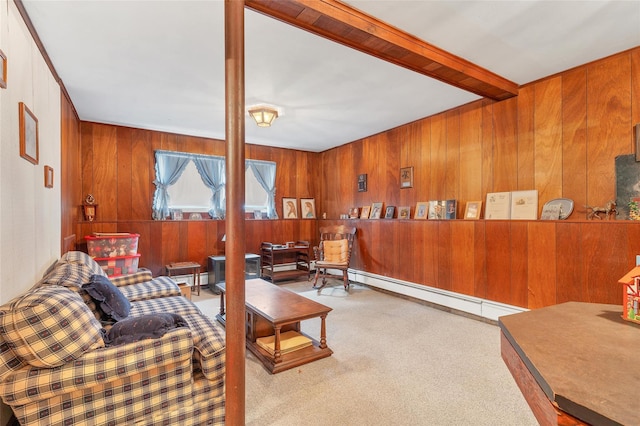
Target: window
[{"x": 180, "y": 184}]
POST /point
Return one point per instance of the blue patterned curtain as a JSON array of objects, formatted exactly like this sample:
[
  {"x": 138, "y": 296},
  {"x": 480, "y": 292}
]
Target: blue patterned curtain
[
  {"x": 169, "y": 168},
  {"x": 212, "y": 172},
  {"x": 265, "y": 172}
]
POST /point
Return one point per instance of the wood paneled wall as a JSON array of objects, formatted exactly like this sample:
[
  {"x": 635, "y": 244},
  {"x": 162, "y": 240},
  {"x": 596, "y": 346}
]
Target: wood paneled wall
[
  {"x": 69, "y": 174},
  {"x": 118, "y": 169},
  {"x": 560, "y": 136}
]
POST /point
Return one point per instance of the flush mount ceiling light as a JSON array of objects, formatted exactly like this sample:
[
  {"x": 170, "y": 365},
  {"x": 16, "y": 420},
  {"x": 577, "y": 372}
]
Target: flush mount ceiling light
[{"x": 263, "y": 114}]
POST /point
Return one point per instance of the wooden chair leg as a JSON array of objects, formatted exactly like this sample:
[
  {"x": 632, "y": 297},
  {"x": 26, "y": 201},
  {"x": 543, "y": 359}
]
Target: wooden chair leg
[
  {"x": 315, "y": 279},
  {"x": 345, "y": 278}
]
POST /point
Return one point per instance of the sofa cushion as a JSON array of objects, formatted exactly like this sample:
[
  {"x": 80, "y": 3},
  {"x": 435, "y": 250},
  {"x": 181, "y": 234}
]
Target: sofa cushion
[
  {"x": 109, "y": 297},
  {"x": 158, "y": 287},
  {"x": 151, "y": 326},
  {"x": 141, "y": 276},
  {"x": 68, "y": 275},
  {"x": 50, "y": 326},
  {"x": 81, "y": 258},
  {"x": 336, "y": 251}
]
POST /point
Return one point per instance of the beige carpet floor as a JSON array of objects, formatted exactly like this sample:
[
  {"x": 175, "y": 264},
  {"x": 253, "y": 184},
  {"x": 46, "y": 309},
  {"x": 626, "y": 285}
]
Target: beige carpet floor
[{"x": 395, "y": 362}]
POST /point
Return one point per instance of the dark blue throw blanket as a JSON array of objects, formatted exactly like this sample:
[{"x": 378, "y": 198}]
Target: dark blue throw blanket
[{"x": 150, "y": 326}]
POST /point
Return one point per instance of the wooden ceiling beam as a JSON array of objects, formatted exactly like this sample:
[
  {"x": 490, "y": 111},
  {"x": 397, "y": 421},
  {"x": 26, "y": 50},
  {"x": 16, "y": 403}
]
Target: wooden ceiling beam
[{"x": 343, "y": 24}]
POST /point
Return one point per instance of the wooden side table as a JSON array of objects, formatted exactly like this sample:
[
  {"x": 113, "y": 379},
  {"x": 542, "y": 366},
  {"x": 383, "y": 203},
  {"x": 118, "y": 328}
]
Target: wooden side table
[{"x": 193, "y": 267}]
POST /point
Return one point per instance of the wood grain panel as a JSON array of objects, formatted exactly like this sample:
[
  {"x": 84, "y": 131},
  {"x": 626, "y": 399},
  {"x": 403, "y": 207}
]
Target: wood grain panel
[
  {"x": 487, "y": 148},
  {"x": 407, "y": 260},
  {"x": 470, "y": 154},
  {"x": 197, "y": 242},
  {"x": 574, "y": 136},
  {"x": 124, "y": 196},
  {"x": 105, "y": 188},
  {"x": 422, "y": 174},
  {"x": 541, "y": 246},
  {"x": 526, "y": 138},
  {"x": 429, "y": 230},
  {"x": 608, "y": 124},
  {"x": 463, "y": 261},
  {"x": 86, "y": 159},
  {"x": 548, "y": 131},
  {"x": 445, "y": 247},
  {"x": 452, "y": 170},
  {"x": 143, "y": 175},
  {"x": 391, "y": 165},
  {"x": 438, "y": 157},
  {"x": 572, "y": 285},
  {"x": 519, "y": 264},
  {"x": 480, "y": 282},
  {"x": 505, "y": 146},
  {"x": 603, "y": 247},
  {"x": 635, "y": 87},
  {"x": 410, "y": 152},
  {"x": 498, "y": 260}
]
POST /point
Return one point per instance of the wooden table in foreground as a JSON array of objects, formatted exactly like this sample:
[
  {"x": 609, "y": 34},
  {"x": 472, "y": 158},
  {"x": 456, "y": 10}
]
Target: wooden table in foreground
[
  {"x": 575, "y": 363},
  {"x": 272, "y": 310}
]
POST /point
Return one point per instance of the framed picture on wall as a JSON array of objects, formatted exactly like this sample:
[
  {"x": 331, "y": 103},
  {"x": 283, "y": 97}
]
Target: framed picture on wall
[
  {"x": 422, "y": 208},
  {"x": 404, "y": 212},
  {"x": 473, "y": 209},
  {"x": 290, "y": 208},
  {"x": 308, "y": 206},
  {"x": 3, "y": 70},
  {"x": 28, "y": 134},
  {"x": 376, "y": 210},
  {"x": 389, "y": 211},
  {"x": 406, "y": 177},
  {"x": 365, "y": 212},
  {"x": 48, "y": 177}
]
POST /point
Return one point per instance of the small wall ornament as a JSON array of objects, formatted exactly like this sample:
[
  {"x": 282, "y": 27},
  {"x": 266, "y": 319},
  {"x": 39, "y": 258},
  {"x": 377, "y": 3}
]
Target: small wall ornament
[{"x": 89, "y": 208}]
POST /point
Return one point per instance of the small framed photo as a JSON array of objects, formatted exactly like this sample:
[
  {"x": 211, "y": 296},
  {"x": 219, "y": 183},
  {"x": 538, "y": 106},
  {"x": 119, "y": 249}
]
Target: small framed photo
[
  {"x": 406, "y": 177},
  {"x": 472, "y": 210},
  {"x": 308, "y": 206},
  {"x": 362, "y": 182},
  {"x": 290, "y": 208},
  {"x": 28, "y": 134},
  {"x": 48, "y": 177},
  {"x": 404, "y": 212},
  {"x": 364, "y": 214},
  {"x": 389, "y": 211},
  {"x": 376, "y": 211},
  {"x": 422, "y": 208},
  {"x": 176, "y": 214},
  {"x": 3, "y": 70},
  {"x": 354, "y": 213}
]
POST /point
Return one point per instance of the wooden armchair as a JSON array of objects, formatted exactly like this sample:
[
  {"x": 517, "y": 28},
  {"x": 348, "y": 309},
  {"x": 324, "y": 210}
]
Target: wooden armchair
[{"x": 334, "y": 252}]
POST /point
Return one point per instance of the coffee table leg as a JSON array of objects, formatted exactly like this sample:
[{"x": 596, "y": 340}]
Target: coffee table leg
[
  {"x": 323, "y": 332},
  {"x": 277, "y": 355},
  {"x": 222, "y": 302}
]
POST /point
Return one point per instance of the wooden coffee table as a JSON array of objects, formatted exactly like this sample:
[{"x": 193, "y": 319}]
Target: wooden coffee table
[{"x": 272, "y": 310}]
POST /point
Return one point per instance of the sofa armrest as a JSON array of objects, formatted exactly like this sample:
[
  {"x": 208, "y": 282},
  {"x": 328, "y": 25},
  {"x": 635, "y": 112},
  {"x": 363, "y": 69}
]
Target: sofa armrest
[
  {"x": 141, "y": 276},
  {"x": 97, "y": 367}
]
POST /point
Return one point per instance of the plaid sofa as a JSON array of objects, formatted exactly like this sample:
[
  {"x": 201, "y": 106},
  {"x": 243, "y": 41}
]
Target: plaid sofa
[{"x": 56, "y": 369}]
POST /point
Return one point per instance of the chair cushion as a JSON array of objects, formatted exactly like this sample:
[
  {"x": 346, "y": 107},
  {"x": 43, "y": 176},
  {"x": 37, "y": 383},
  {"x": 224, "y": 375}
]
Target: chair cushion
[
  {"x": 109, "y": 297},
  {"x": 50, "y": 326},
  {"x": 336, "y": 251},
  {"x": 150, "y": 326}
]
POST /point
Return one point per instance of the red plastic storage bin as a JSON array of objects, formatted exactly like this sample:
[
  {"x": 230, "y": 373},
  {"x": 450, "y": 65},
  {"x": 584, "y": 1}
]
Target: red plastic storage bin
[
  {"x": 103, "y": 245},
  {"x": 119, "y": 265}
]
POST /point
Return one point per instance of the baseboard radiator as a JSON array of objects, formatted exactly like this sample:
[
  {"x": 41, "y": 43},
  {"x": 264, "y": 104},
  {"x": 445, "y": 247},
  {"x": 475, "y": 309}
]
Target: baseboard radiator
[{"x": 483, "y": 308}]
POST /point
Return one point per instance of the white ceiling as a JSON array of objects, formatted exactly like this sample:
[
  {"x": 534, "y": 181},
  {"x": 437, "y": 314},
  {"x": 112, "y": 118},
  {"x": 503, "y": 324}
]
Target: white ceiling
[{"x": 160, "y": 64}]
